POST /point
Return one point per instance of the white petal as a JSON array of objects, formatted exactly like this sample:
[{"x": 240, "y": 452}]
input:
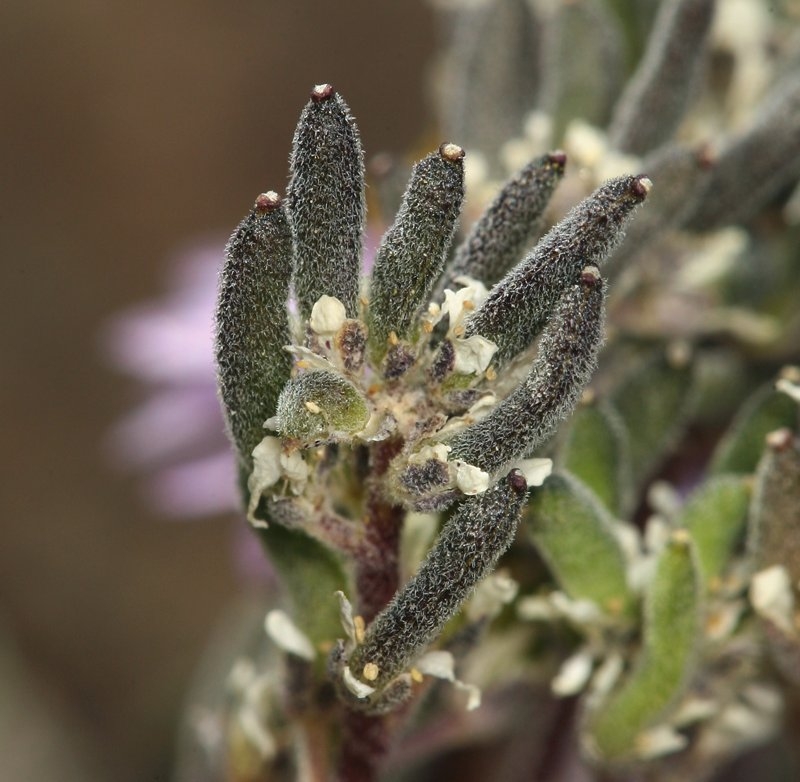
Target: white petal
[
  {"x": 294, "y": 467},
  {"x": 471, "y": 479},
  {"x": 358, "y": 688},
  {"x": 581, "y": 612},
  {"x": 494, "y": 592},
  {"x": 288, "y": 636},
  {"x": 473, "y": 355},
  {"x": 772, "y": 598},
  {"x": 346, "y": 616},
  {"x": 437, "y": 663},
  {"x": 427, "y": 452},
  {"x": 607, "y": 675},
  {"x": 573, "y": 674},
  {"x": 662, "y": 740},
  {"x": 266, "y": 472},
  {"x": 253, "y": 728},
  {"x": 473, "y": 694},
  {"x": 535, "y": 470},
  {"x": 327, "y": 315},
  {"x": 787, "y": 387}
]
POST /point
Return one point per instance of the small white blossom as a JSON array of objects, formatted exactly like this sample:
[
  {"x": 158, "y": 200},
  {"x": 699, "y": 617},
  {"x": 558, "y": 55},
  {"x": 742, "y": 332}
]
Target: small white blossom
[
  {"x": 659, "y": 741},
  {"x": 426, "y": 453},
  {"x": 327, "y": 315},
  {"x": 494, "y": 592},
  {"x": 266, "y": 472}
]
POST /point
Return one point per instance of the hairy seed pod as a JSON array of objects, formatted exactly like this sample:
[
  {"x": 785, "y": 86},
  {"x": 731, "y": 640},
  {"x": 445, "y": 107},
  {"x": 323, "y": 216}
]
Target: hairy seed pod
[
  {"x": 251, "y": 323},
  {"x": 326, "y": 202},
  {"x": 466, "y": 551},
  {"x": 521, "y": 303},
  {"x": 653, "y": 104},
  {"x": 755, "y": 166},
  {"x": 567, "y": 357},
  {"x": 499, "y": 237},
  {"x": 412, "y": 252}
]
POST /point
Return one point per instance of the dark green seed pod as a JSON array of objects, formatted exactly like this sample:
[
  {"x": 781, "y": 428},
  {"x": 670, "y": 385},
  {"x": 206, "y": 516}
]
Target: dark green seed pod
[
  {"x": 521, "y": 303},
  {"x": 326, "y": 202},
  {"x": 251, "y": 323},
  {"x": 466, "y": 551},
  {"x": 499, "y": 237},
  {"x": 412, "y": 253}
]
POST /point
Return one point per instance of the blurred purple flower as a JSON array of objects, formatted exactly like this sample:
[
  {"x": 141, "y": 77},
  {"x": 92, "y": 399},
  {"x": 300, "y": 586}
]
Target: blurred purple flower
[{"x": 176, "y": 435}]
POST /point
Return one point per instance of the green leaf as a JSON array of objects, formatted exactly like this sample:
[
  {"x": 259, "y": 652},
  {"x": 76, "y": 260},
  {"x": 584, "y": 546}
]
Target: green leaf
[
  {"x": 742, "y": 445},
  {"x": 575, "y": 535},
  {"x": 594, "y": 448},
  {"x": 716, "y": 517},
  {"x": 672, "y": 612}
]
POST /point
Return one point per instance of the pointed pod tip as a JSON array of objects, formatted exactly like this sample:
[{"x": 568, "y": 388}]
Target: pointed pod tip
[
  {"x": 590, "y": 276},
  {"x": 322, "y": 92},
  {"x": 517, "y": 482},
  {"x": 780, "y": 440},
  {"x": 641, "y": 186},
  {"x": 558, "y": 158},
  {"x": 451, "y": 152},
  {"x": 268, "y": 202}
]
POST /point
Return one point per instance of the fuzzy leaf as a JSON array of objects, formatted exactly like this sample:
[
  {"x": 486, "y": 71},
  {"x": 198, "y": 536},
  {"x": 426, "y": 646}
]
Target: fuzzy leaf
[
  {"x": 564, "y": 365},
  {"x": 742, "y": 445},
  {"x": 326, "y": 202},
  {"x": 412, "y": 252},
  {"x": 654, "y": 402},
  {"x": 466, "y": 551},
  {"x": 672, "y": 612},
  {"x": 518, "y": 307},
  {"x": 655, "y": 99},
  {"x": 716, "y": 517},
  {"x": 251, "y": 322},
  {"x": 311, "y": 576},
  {"x": 575, "y": 535},
  {"x": 595, "y": 449}
]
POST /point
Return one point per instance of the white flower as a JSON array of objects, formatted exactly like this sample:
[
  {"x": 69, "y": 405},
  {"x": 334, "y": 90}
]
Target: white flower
[
  {"x": 494, "y": 592},
  {"x": 658, "y": 741},
  {"x": 266, "y": 472},
  {"x": 358, "y": 688}
]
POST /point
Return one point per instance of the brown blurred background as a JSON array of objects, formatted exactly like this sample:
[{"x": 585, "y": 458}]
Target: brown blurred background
[{"x": 127, "y": 130}]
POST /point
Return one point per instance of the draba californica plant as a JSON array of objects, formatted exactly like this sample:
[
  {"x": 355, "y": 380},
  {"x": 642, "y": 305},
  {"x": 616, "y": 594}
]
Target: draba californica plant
[{"x": 443, "y": 493}]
